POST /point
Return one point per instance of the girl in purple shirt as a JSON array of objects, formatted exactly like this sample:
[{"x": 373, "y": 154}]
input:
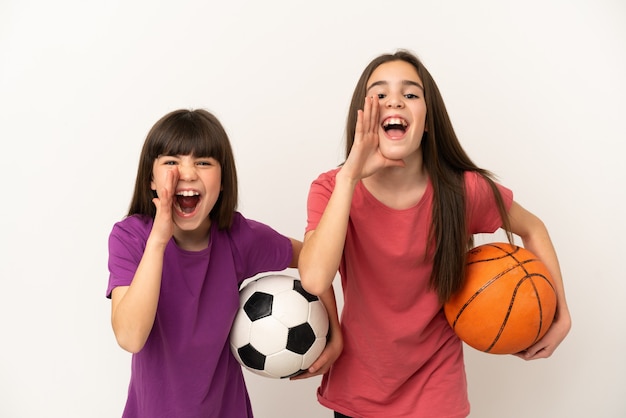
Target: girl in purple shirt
[{"x": 176, "y": 263}]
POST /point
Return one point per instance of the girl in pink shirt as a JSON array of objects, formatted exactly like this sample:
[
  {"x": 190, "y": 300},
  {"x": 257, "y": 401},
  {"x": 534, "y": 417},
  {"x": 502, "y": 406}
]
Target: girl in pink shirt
[{"x": 396, "y": 219}]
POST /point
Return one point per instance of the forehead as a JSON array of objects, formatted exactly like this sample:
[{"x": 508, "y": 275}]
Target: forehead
[{"x": 394, "y": 72}]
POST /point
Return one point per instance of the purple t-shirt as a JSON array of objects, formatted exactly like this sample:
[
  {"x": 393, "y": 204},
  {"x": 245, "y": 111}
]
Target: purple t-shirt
[{"x": 186, "y": 368}]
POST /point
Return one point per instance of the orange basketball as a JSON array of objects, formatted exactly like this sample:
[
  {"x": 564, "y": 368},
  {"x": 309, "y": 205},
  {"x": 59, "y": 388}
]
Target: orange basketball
[{"x": 507, "y": 301}]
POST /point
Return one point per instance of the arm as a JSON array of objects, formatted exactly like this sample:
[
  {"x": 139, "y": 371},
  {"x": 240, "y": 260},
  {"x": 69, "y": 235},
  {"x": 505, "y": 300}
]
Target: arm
[
  {"x": 133, "y": 308},
  {"x": 296, "y": 247},
  {"x": 323, "y": 247},
  {"x": 334, "y": 346},
  {"x": 536, "y": 239}
]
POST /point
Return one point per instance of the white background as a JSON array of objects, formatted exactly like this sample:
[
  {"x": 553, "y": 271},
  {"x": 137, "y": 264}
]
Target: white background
[{"x": 535, "y": 89}]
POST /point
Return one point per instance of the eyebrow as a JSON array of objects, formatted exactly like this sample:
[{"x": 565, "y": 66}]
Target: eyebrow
[{"x": 404, "y": 83}]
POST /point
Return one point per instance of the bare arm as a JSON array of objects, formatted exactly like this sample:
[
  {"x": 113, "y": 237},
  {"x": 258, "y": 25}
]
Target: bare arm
[
  {"x": 323, "y": 247},
  {"x": 133, "y": 308},
  {"x": 536, "y": 239},
  {"x": 296, "y": 247}
]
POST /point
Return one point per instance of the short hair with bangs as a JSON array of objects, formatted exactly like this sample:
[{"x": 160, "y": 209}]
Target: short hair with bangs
[{"x": 187, "y": 132}]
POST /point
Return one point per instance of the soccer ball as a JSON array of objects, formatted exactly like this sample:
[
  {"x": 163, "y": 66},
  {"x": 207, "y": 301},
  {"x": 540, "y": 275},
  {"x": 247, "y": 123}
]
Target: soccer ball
[{"x": 280, "y": 329}]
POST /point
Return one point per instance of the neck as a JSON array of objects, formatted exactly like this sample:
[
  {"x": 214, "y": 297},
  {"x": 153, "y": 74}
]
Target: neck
[
  {"x": 194, "y": 240},
  {"x": 399, "y": 187},
  {"x": 407, "y": 176}
]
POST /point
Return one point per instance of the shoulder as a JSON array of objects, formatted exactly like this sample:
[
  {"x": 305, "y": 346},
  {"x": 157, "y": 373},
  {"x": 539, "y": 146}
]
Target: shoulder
[
  {"x": 243, "y": 227},
  {"x": 138, "y": 226},
  {"x": 478, "y": 185},
  {"x": 241, "y": 223},
  {"x": 474, "y": 179},
  {"x": 482, "y": 202},
  {"x": 324, "y": 184},
  {"x": 327, "y": 178},
  {"x": 256, "y": 246}
]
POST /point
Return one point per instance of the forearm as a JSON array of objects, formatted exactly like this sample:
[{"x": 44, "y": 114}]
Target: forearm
[
  {"x": 323, "y": 247},
  {"x": 296, "y": 247},
  {"x": 539, "y": 243},
  {"x": 134, "y": 307},
  {"x": 536, "y": 239}
]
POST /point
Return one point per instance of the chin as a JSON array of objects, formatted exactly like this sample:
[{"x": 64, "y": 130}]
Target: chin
[
  {"x": 393, "y": 154},
  {"x": 189, "y": 224},
  {"x": 399, "y": 152}
]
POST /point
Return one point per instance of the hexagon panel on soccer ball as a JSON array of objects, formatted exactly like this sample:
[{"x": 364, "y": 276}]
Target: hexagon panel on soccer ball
[
  {"x": 290, "y": 308},
  {"x": 318, "y": 318}
]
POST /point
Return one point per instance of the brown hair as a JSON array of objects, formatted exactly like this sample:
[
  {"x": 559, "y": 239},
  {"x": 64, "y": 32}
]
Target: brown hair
[
  {"x": 445, "y": 161},
  {"x": 187, "y": 132}
]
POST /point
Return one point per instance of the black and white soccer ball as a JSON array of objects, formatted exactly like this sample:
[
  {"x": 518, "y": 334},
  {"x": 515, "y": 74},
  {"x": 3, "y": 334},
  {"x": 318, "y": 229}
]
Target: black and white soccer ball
[{"x": 280, "y": 329}]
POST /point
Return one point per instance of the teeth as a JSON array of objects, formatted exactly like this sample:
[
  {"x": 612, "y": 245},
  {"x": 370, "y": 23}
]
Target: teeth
[
  {"x": 187, "y": 193},
  {"x": 395, "y": 121}
]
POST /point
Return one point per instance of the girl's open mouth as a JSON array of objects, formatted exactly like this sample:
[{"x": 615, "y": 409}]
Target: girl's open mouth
[
  {"x": 395, "y": 127},
  {"x": 186, "y": 201}
]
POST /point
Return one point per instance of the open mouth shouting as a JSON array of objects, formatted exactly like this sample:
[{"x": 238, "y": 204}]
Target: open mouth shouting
[
  {"x": 186, "y": 202},
  {"x": 395, "y": 127}
]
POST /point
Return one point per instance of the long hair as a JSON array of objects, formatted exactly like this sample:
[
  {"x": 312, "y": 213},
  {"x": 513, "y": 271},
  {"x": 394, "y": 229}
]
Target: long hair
[
  {"x": 446, "y": 162},
  {"x": 187, "y": 132}
]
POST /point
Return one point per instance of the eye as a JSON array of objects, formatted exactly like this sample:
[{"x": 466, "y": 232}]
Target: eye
[
  {"x": 170, "y": 162},
  {"x": 411, "y": 96},
  {"x": 208, "y": 162},
  {"x": 381, "y": 95}
]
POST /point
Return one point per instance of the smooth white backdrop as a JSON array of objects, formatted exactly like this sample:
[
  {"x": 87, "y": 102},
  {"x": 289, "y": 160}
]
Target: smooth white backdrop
[{"x": 535, "y": 89}]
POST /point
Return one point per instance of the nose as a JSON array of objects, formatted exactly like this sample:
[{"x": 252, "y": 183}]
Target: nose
[
  {"x": 187, "y": 172},
  {"x": 394, "y": 101}
]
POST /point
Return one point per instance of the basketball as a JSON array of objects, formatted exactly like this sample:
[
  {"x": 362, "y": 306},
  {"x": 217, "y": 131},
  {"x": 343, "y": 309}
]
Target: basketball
[{"x": 507, "y": 301}]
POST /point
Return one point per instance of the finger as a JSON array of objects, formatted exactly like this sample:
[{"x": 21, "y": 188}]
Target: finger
[
  {"x": 373, "y": 119},
  {"x": 359, "y": 124},
  {"x": 307, "y": 374},
  {"x": 318, "y": 364},
  {"x": 168, "y": 190},
  {"x": 303, "y": 375},
  {"x": 370, "y": 115},
  {"x": 534, "y": 353},
  {"x": 171, "y": 179},
  {"x": 367, "y": 108}
]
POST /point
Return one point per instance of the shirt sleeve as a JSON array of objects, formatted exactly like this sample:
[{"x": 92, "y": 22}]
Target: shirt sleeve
[
  {"x": 483, "y": 213},
  {"x": 258, "y": 248},
  {"x": 127, "y": 243},
  {"x": 319, "y": 195}
]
